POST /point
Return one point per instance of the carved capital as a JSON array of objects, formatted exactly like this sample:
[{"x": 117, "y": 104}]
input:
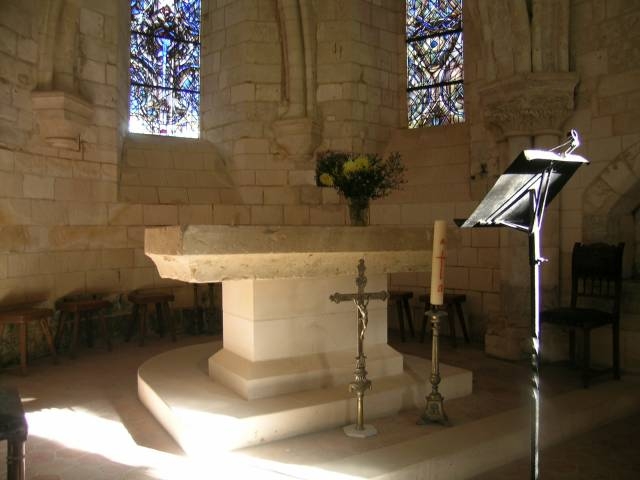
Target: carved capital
[
  {"x": 529, "y": 104},
  {"x": 61, "y": 117}
]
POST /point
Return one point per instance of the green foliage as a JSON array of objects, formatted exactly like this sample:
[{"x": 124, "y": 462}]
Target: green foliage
[{"x": 364, "y": 176}]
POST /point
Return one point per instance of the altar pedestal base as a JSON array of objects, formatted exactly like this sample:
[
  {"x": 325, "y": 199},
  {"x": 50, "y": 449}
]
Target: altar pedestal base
[
  {"x": 285, "y": 335},
  {"x": 205, "y": 417}
]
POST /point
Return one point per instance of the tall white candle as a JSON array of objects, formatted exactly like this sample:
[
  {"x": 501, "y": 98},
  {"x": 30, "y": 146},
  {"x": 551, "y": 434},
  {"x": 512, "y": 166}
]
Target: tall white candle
[{"x": 438, "y": 262}]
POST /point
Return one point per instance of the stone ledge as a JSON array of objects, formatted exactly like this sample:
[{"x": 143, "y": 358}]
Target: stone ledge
[{"x": 212, "y": 253}]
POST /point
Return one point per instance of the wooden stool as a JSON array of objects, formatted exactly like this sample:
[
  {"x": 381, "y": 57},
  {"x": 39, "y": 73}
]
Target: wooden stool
[
  {"x": 451, "y": 300},
  {"x": 401, "y": 299},
  {"x": 13, "y": 429},
  {"x": 22, "y": 316},
  {"x": 72, "y": 310},
  {"x": 140, "y": 301}
]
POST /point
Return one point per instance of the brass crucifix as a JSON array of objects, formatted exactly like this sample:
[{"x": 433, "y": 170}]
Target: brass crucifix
[{"x": 360, "y": 383}]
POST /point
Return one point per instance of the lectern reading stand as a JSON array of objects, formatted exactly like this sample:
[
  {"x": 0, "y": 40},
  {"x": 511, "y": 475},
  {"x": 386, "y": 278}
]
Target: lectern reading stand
[{"x": 518, "y": 200}]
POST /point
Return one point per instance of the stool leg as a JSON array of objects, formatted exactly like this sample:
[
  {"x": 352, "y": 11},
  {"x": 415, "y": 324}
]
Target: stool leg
[
  {"x": 586, "y": 360},
  {"x": 74, "y": 337},
  {"x": 143, "y": 324},
  {"x": 615, "y": 332},
  {"x": 424, "y": 323},
  {"x": 16, "y": 453},
  {"x": 23, "y": 347},
  {"x": 105, "y": 330},
  {"x": 171, "y": 320},
  {"x": 572, "y": 346},
  {"x": 134, "y": 319},
  {"x": 409, "y": 315},
  {"x": 462, "y": 322},
  {"x": 88, "y": 326},
  {"x": 452, "y": 326},
  {"x": 160, "y": 316},
  {"x": 210, "y": 308},
  {"x": 400, "y": 319},
  {"x": 198, "y": 311},
  {"x": 58, "y": 338},
  {"x": 46, "y": 331}
]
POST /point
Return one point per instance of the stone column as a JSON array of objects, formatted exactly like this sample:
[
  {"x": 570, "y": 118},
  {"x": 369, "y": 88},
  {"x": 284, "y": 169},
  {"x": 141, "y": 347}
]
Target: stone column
[
  {"x": 297, "y": 133},
  {"x": 526, "y": 110}
]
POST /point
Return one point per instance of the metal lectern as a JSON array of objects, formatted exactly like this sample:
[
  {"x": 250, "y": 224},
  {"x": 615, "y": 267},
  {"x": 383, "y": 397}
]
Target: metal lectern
[{"x": 518, "y": 200}]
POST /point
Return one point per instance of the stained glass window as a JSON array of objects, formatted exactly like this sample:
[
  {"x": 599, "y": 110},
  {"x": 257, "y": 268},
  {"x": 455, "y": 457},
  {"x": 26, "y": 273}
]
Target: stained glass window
[
  {"x": 165, "y": 67},
  {"x": 435, "y": 91}
]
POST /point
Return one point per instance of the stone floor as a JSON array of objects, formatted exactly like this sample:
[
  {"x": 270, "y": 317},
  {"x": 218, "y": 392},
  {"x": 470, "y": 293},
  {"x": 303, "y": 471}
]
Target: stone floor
[{"x": 86, "y": 422}]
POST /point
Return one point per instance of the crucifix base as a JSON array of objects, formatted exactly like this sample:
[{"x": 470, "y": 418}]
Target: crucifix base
[{"x": 366, "y": 431}]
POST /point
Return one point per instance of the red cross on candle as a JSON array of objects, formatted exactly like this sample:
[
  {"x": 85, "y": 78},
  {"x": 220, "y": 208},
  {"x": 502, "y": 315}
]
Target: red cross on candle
[{"x": 442, "y": 258}]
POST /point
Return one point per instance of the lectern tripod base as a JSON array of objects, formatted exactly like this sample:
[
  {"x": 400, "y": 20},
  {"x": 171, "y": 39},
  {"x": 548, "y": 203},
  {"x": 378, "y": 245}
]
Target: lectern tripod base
[{"x": 366, "y": 431}]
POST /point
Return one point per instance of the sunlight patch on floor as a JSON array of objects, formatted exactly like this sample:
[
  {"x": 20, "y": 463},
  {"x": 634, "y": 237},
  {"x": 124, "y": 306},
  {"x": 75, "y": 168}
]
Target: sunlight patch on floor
[{"x": 84, "y": 431}]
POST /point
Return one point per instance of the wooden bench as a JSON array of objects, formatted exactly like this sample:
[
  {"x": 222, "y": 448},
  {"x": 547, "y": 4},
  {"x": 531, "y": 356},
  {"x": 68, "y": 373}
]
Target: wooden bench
[
  {"x": 451, "y": 301},
  {"x": 22, "y": 316},
  {"x": 13, "y": 429}
]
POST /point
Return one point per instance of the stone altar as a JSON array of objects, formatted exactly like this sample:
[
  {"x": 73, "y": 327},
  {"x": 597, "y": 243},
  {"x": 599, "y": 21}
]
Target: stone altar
[
  {"x": 281, "y": 332},
  {"x": 288, "y": 351}
]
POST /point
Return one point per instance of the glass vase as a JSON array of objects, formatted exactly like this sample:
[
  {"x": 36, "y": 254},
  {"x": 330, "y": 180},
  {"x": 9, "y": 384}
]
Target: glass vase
[{"x": 358, "y": 211}]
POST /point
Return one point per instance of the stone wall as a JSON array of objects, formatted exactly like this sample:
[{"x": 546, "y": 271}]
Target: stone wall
[{"x": 600, "y": 203}]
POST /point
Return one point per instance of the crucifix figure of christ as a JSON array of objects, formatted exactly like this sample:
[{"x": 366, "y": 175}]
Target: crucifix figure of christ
[{"x": 360, "y": 383}]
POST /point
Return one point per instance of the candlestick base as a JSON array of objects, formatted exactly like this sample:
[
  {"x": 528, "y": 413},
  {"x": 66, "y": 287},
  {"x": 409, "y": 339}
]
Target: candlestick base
[
  {"x": 367, "y": 431},
  {"x": 434, "y": 411}
]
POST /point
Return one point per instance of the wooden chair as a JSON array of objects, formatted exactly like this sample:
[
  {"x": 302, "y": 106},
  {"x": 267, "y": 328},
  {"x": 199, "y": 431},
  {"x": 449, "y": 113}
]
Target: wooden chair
[
  {"x": 596, "y": 292},
  {"x": 140, "y": 300},
  {"x": 451, "y": 301},
  {"x": 401, "y": 300},
  {"x": 73, "y": 310},
  {"x": 13, "y": 429},
  {"x": 22, "y": 316}
]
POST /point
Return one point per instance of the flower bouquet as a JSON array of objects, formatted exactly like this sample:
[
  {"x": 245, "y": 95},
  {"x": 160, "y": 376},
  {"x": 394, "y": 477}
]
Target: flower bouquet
[{"x": 359, "y": 178}]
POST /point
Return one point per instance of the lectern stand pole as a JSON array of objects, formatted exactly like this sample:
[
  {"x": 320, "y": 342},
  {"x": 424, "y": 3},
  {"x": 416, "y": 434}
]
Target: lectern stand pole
[
  {"x": 534, "y": 262},
  {"x": 517, "y": 200}
]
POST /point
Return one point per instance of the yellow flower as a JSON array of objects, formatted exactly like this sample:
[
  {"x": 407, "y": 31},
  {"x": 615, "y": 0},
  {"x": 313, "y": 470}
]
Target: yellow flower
[
  {"x": 355, "y": 165},
  {"x": 362, "y": 163},
  {"x": 326, "y": 180},
  {"x": 349, "y": 167}
]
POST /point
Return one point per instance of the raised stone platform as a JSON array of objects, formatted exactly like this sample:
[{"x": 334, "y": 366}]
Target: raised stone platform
[{"x": 205, "y": 417}]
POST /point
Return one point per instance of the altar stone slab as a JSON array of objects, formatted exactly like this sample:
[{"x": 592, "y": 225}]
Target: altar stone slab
[{"x": 215, "y": 253}]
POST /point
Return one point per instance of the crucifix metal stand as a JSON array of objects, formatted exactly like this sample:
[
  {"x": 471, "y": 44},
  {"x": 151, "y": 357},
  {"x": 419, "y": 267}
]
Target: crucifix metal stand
[{"x": 360, "y": 383}]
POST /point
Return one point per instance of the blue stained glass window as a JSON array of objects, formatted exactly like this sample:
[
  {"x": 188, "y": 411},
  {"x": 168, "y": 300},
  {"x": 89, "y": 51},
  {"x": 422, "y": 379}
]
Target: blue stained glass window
[
  {"x": 165, "y": 68},
  {"x": 435, "y": 93}
]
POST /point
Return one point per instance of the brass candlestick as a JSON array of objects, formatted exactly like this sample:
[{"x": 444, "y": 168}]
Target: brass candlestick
[{"x": 434, "y": 409}]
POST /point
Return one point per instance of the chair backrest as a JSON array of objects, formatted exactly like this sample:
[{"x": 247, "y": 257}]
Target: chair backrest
[{"x": 596, "y": 272}]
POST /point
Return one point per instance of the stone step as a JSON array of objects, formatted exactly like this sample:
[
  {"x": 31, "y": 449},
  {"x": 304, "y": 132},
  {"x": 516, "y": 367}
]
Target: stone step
[
  {"x": 208, "y": 422},
  {"x": 205, "y": 417},
  {"x": 462, "y": 452}
]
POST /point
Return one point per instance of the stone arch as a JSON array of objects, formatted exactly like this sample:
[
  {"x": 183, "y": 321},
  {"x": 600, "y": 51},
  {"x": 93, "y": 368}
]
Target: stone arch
[{"x": 612, "y": 204}]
